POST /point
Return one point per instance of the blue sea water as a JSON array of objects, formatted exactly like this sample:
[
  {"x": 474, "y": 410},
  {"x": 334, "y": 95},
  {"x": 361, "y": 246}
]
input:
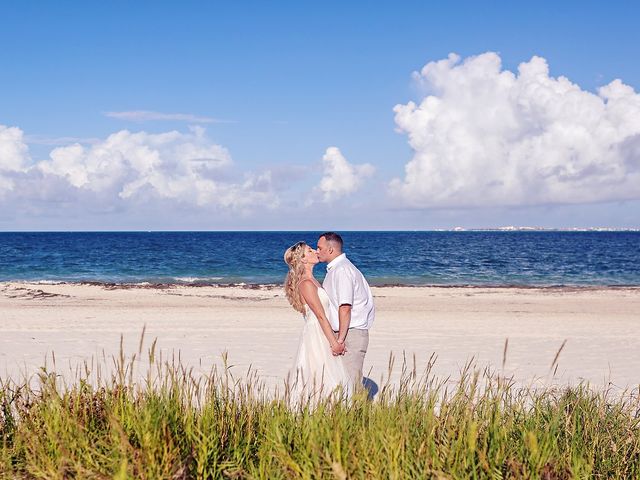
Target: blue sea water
[{"x": 407, "y": 258}]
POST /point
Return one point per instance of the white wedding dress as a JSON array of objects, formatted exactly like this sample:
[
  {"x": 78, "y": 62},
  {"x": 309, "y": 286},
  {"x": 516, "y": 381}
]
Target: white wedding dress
[{"x": 316, "y": 373}]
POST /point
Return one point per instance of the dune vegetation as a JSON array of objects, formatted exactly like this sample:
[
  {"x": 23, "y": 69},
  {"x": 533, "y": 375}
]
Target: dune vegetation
[{"x": 169, "y": 422}]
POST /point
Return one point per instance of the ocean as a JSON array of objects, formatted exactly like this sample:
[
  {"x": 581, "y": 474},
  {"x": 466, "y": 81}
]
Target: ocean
[{"x": 480, "y": 258}]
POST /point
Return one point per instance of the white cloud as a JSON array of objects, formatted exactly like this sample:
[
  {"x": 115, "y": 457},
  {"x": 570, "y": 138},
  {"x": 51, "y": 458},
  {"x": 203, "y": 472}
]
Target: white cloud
[
  {"x": 14, "y": 152},
  {"x": 14, "y": 155},
  {"x": 485, "y": 136},
  {"x": 181, "y": 167},
  {"x": 146, "y": 116},
  {"x": 341, "y": 177}
]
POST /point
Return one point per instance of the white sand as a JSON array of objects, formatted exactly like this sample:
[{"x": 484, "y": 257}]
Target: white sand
[{"x": 257, "y": 327}]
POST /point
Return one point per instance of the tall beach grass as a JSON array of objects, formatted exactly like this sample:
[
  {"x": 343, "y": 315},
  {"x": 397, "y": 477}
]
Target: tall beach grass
[{"x": 154, "y": 418}]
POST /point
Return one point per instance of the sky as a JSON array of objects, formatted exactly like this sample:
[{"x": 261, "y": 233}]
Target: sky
[{"x": 203, "y": 115}]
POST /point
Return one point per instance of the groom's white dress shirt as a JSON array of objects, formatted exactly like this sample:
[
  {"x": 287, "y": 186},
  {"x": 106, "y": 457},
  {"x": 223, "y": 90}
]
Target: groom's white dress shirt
[{"x": 346, "y": 285}]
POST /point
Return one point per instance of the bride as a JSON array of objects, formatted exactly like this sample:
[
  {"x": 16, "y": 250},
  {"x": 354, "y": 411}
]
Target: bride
[{"x": 318, "y": 369}]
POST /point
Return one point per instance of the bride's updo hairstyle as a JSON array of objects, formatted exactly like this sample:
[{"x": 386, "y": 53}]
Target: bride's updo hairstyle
[{"x": 293, "y": 258}]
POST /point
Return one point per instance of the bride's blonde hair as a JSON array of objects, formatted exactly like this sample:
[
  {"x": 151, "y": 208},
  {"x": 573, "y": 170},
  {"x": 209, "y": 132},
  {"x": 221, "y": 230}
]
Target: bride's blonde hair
[{"x": 293, "y": 258}]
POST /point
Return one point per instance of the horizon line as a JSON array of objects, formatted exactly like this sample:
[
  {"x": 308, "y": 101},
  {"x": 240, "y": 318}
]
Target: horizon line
[{"x": 453, "y": 229}]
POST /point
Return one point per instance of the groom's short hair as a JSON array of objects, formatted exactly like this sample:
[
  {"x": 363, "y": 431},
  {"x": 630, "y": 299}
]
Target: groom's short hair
[{"x": 334, "y": 238}]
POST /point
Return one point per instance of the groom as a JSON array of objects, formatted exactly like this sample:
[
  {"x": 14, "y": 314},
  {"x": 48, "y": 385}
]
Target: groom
[{"x": 353, "y": 311}]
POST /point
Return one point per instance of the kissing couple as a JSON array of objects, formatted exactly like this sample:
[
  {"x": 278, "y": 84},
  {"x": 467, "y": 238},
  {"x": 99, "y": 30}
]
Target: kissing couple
[{"x": 337, "y": 317}]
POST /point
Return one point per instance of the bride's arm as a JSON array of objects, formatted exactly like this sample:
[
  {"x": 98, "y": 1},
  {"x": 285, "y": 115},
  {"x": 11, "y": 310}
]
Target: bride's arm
[{"x": 310, "y": 294}]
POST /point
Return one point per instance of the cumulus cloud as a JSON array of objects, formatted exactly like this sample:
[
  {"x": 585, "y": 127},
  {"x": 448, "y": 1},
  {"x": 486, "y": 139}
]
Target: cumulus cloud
[
  {"x": 147, "y": 115},
  {"x": 486, "y": 136},
  {"x": 183, "y": 168},
  {"x": 14, "y": 156},
  {"x": 129, "y": 170},
  {"x": 341, "y": 177}
]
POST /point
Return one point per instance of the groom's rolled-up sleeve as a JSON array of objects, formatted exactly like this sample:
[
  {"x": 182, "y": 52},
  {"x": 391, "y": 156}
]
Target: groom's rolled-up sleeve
[{"x": 343, "y": 284}]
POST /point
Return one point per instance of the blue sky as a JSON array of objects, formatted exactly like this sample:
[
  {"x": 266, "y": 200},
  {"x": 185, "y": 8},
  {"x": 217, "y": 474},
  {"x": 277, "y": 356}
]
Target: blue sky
[{"x": 276, "y": 84}]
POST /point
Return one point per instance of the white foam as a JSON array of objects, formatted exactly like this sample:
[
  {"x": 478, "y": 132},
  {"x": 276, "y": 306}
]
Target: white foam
[{"x": 197, "y": 279}]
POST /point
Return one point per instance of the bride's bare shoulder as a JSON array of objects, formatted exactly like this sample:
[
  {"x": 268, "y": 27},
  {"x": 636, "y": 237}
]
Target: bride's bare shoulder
[{"x": 307, "y": 286}]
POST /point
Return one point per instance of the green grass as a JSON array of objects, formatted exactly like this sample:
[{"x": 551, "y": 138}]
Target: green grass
[{"x": 172, "y": 423}]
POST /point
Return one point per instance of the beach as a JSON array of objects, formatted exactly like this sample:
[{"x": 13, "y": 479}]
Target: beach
[{"x": 256, "y": 329}]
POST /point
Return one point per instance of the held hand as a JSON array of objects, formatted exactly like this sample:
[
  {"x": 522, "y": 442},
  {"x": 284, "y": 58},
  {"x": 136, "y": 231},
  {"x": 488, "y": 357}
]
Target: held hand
[{"x": 337, "y": 349}]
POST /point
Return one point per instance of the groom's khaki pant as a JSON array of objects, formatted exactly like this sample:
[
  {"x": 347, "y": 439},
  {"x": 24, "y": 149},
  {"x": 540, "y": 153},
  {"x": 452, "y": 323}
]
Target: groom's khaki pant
[{"x": 356, "y": 343}]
